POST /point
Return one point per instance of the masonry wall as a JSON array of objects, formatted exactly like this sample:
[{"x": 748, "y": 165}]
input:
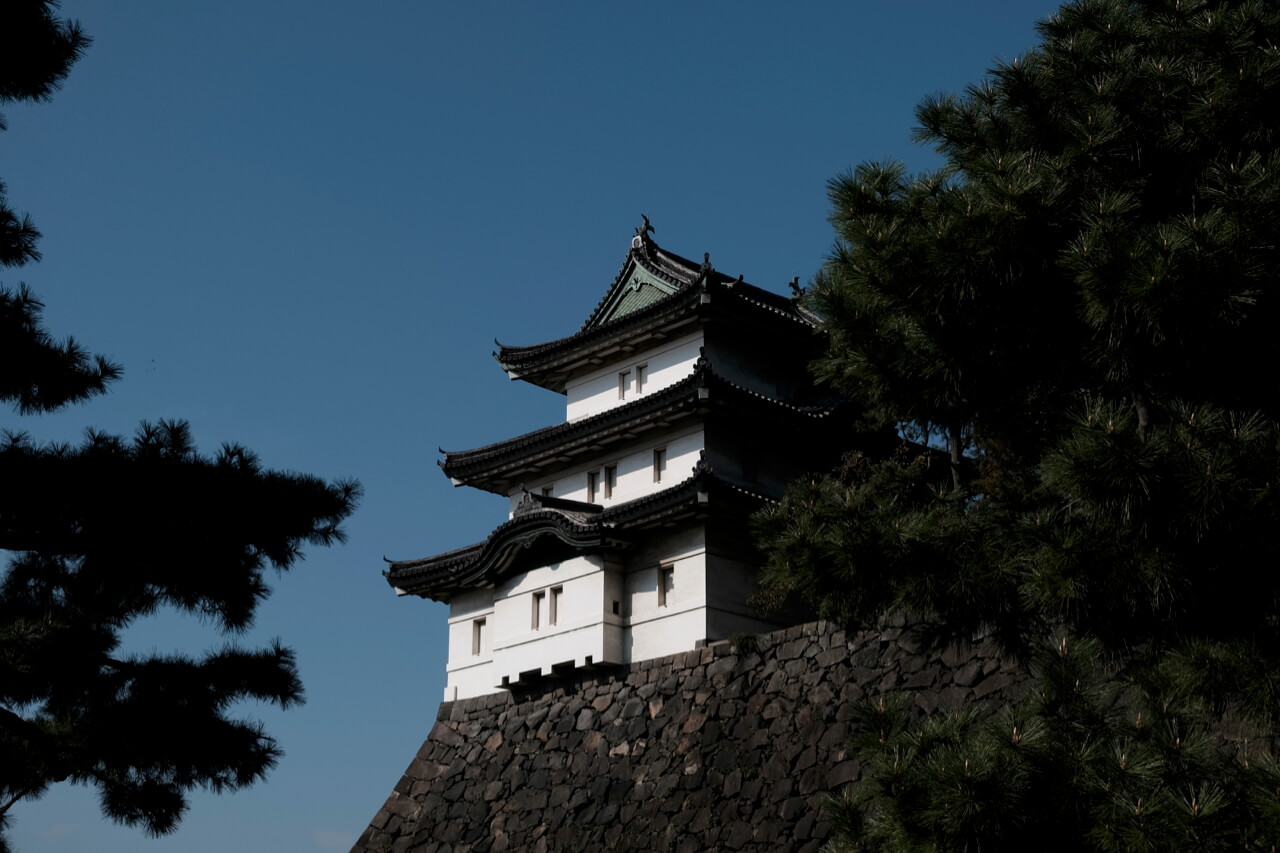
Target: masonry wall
[{"x": 728, "y": 747}]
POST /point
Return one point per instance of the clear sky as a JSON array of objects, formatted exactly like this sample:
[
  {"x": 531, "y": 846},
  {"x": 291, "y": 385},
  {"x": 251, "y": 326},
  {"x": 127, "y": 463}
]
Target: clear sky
[{"x": 300, "y": 224}]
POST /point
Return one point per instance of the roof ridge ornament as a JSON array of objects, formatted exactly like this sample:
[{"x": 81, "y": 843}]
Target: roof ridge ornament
[
  {"x": 794, "y": 284},
  {"x": 642, "y": 242},
  {"x": 706, "y": 269},
  {"x": 529, "y": 503}
]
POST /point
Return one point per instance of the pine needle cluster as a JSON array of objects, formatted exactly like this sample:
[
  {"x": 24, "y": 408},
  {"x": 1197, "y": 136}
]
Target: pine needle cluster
[{"x": 1078, "y": 314}]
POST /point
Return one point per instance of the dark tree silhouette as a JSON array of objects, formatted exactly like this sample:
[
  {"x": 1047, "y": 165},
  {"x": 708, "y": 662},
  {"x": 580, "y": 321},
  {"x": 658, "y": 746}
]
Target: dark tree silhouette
[{"x": 99, "y": 534}]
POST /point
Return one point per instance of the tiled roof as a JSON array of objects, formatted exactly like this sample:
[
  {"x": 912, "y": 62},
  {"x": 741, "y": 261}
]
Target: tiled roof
[
  {"x": 499, "y": 467},
  {"x": 608, "y": 328},
  {"x": 668, "y": 266},
  {"x": 557, "y": 528}
]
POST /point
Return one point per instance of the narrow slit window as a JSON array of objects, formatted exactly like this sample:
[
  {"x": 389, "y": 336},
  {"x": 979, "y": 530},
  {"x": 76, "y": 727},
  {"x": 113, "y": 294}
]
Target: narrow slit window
[
  {"x": 593, "y": 483},
  {"x": 642, "y": 373},
  {"x": 623, "y": 377},
  {"x": 610, "y": 480},
  {"x": 659, "y": 464},
  {"x": 666, "y": 582},
  {"x": 478, "y": 638},
  {"x": 535, "y": 621},
  {"x": 553, "y": 611},
  {"x": 546, "y": 491}
]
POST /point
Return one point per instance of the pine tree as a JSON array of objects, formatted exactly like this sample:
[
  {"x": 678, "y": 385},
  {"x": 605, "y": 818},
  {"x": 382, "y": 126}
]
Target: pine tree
[
  {"x": 1080, "y": 308},
  {"x": 100, "y": 534}
]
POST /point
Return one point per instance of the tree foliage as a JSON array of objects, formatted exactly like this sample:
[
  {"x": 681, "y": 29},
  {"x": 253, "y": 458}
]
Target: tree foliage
[
  {"x": 113, "y": 529},
  {"x": 1080, "y": 306}
]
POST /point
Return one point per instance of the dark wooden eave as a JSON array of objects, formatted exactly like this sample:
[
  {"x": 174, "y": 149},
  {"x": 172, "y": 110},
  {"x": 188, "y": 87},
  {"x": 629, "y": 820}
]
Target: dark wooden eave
[
  {"x": 547, "y": 529},
  {"x": 506, "y": 465}
]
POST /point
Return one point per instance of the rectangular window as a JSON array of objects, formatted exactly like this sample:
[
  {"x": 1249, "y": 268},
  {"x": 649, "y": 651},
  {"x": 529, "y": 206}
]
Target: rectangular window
[
  {"x": 535, "y": 622},
  {"x": 610, "y": 480},
  {"x": 659, "y": 464},
  {"x": 593, "y": 480},
  {"x": 546, "y": 491},
  {"x": 478, "y": 637},
  {"x": 641, "y": 371},
  {"x": 666, "y": 582},
  {"x": 622, "y": 384},
  {"x": 554, "y": 612}
]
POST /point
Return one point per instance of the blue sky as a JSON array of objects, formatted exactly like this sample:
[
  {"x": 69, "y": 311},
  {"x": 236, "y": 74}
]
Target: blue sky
[{"x": 300, "y": 225}]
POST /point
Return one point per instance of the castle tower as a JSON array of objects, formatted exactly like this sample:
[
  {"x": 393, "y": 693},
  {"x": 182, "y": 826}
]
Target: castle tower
[{"x": 689, "y": 406}]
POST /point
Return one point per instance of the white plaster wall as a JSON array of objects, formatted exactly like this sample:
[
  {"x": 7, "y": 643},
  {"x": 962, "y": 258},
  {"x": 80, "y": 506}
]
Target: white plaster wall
[
  {"x": 657, "y": 630},
  {"x": 585, "y": 626},
  {"x": 677, "y": 632},
  {"x": 736, "y": 367},
  {"x": 731, "y": 583},
  {"x": 666, "y": 364},
  {"x": 722, "y": 625},
  {"x": 635, "y": 471},
  {"x": 469, "y": 674},
  {"x": 706, "y": 600}
]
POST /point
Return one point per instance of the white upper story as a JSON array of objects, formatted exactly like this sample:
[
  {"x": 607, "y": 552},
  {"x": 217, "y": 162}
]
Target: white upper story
[
  {"x": 624, "y": 475},
  {"x": 627, "y": 379}
]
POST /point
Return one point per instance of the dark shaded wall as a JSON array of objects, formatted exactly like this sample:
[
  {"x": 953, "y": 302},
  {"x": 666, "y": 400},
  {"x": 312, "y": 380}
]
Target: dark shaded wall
[{"x": 728, "y": 747}]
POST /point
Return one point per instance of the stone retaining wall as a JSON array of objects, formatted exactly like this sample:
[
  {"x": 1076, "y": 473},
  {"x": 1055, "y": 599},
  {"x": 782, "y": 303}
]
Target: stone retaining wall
[{"x": 728, "y": 747}]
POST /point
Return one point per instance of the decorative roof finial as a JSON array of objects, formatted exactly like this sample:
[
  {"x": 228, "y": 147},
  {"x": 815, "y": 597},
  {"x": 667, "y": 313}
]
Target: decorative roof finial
[
  {"x": 642, "y": 239},
  {"x": 794, "y": 284},
  {"x": 706, "y": 264}
]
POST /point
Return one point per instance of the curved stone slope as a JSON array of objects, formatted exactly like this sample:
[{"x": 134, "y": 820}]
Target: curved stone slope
[{"x": 728, "y": 747}]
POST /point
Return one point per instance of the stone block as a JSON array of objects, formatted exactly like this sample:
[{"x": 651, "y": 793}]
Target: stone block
[
  {"x": 966, "y": 675},
  {"x": 792, "y": 649},
  {"x": 923, "y": 679},
  {"x": 739, "y": 833},
  {"x": 992, "y": 684},
  {"x": 443, "y": 733},
  {"x": 693, "y": 722}
]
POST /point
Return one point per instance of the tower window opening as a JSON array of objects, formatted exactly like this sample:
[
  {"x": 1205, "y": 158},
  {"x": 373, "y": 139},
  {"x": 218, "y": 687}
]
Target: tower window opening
[
  {"x": 666, "y": 583},
  {"x": 535, "y": 621}
]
